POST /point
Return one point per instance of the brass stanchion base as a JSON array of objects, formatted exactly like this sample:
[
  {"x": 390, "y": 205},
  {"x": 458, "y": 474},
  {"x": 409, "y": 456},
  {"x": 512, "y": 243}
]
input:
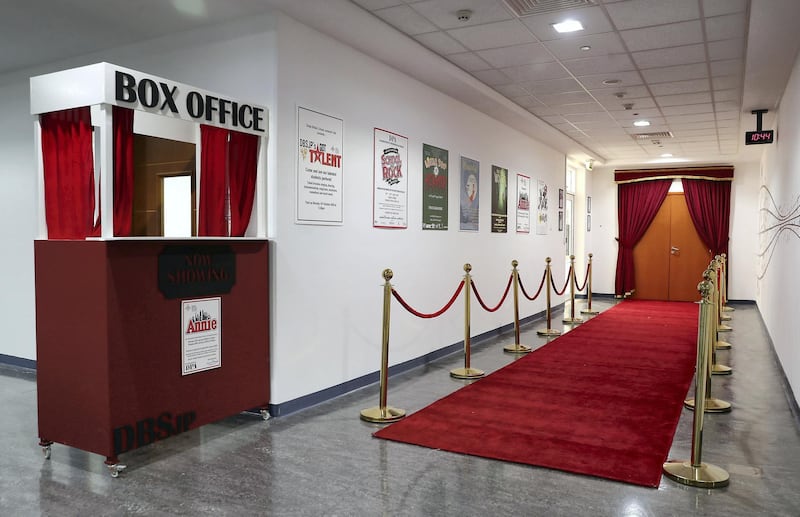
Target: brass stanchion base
[
  {"x": 589, "y": 311},
  {"x": 723, "y": 345},
  {"x": 704, "y": 476},
  {"x": 725, "y": 317},
  {"x": 382, "y": 416},
  {"x": 572, "y": 320},
  {"x": 728, "y": 309},
  {"x": 466, "y": 373},
  {"x": 712, "y": 405},
  {"x": 549, "y": 332},
  {"x": 724, "y": 328},
  {"x": 721, "y": 369},
  {"x": 516, "y": 348}
]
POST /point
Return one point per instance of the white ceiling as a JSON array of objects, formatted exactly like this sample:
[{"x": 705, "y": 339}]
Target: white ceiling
[{"x": 694, "y": 68}]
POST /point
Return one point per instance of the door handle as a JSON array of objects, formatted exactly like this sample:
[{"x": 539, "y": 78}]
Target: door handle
[{"x": 674, "y": 251}]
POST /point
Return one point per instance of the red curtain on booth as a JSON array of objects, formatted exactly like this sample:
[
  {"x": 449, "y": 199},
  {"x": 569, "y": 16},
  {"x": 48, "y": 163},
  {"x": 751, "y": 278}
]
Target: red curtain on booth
[
  {"x": 638, "y": 205},
  {"x": 123, "y": 171},
  {"x": 68, "y": 174},
  {"x": 242, "y": 168},
  {"x": 709, "y": 205},
  {"x": 213, "y": 172}
]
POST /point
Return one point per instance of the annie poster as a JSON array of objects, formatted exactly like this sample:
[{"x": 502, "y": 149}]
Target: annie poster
[
  {"x": 499, "y": 199},
  {"x": 434, "y": 188},
  {"x": 390, "y": 183},
  {"x": 470, "y": 176}
]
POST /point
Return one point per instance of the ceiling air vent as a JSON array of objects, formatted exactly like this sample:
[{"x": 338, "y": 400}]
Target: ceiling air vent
[
  {"x": 657, "y": 135},
  {"x": 531, "y": 7}
]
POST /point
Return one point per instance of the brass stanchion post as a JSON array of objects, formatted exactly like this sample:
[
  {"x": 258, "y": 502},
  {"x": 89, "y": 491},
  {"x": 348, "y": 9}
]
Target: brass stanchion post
[
  {"x": 516, "y": 348},
  {"x": 384, "y": 414},
  {"x": 572, "y": 319},
  {"x": 588, "y": 309},
  {"x": 710, "y": 404},
  {"x": 548, "y": 279},
  {"x": 720, "y": 316},
  {"x": 716, "y": 368},
  {"x": 467, "y": 372},
  {"x": 694, "y": 472},
  {"x": 725, "y": 307}
]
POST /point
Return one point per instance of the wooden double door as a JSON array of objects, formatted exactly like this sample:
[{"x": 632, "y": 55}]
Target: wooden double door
[{"x": 670, "y": 259}]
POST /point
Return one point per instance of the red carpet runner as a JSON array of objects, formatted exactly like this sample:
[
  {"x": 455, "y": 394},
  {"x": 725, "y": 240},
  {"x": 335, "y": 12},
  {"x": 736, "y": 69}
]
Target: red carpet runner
[{"x": 603, "y": 399}]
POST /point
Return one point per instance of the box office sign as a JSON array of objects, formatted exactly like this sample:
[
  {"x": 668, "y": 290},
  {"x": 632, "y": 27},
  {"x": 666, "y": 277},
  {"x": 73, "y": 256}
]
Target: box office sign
[{"x": 185, "y": 271}]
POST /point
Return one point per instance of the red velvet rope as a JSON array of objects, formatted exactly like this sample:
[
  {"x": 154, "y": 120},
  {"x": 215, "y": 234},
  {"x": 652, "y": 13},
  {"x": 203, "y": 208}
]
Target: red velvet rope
[
  {"x": 505, "y": 294},
  {"x": 569, "y": 277},
  {"x": 432, "y": 315},
  {"x": 541, "y": 284},
  {"x": 585, "y": 279}
]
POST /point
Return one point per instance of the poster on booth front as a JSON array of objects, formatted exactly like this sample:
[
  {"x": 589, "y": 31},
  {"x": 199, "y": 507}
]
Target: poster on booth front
[
  {"x": 434, "y": 188},
  {"x": 469, "y": 209},
  {"x": 319, "y": 167},
  {"x": 499, "y": 199},
  {"x": 201, "y": 328},
  {"x": 523, "y": 204},
  {"x": 390, "y": 183}
]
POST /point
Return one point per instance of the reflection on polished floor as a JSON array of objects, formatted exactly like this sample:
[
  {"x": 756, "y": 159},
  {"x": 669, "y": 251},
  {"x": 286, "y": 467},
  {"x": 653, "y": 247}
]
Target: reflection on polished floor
[{"x": 324, "y": 461}]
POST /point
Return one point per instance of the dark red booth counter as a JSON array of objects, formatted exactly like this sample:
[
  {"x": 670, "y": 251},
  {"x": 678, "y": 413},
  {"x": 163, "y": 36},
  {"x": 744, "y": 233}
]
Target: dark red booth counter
[{"x": 109, "y": 336}]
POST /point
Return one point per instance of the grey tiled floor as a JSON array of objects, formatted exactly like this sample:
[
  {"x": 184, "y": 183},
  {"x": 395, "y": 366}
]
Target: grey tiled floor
[{"x": 324, "y": 461}]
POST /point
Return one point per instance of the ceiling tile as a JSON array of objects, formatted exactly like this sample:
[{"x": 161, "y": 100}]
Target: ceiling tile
[
  {"x": 512, "y": 90},
  {"x": 600, "y": 64},
  {"x": 637, "y": 113},
  {"x": 726, "y": 49},
  {"x": 593, "y": 19},
  {"x": 727, "y": 82},
  {"x": 592, "y": 82},
  {"x": 645, "y": 13},
  {"x": 687, "y": 109},
  {"x": 674, "y": 88},
  {"x": 726, "y": 106},
  {"x": 734, "y": 95},
  {"x": 493, "y": 35},
  {"x": 718, "y": 7},
  {"x": 699, "y": 117},
  {"x": 710, "y": 124},
  {"x": 594, "y": 125},
  {"x": 591, "y": 117},
  {"x": 536, "y": 72},
  {"x": 639, "y": 105},
  {"x": 443, "y": 12},
  {"x": 676, "y": 73},
  {"x": 733, "y": 123},
  {"x": 468, "y": 61},
  {"x": 584, "y": 107},
  {"x": 556, "y": 120},
  {"x": 730, "y": 26},
  {"x": 684, "y": 98},
  {"x": 629, "y": 94},
  {"x": 672, "y": 56},
  {"x": 560, "y": 99},
  {"x": 728, "y": 115},
  {"x": 492, "y": 77},
  {"x": 727, "y": 67},
  {"x": 516, "y": 55},
  {"x": 553, "y": 86},
  {"x": 440, "y": 43},
  {"x": 528, "y": 101},
  {"x": 405, "y": 19},
  {"x": 371, "y": 5},
  {"x": 602, "y": 44},
  {"x": 672, "y": 35}
]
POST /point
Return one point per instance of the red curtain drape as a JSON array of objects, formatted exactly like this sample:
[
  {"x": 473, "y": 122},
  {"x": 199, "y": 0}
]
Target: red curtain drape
[
  {"x": 638, "y": 205},
  {"x": 242, "y": 167},
  {"x": 709, "y": 205},
  {"x": 123, "y": 171},
  {"x": 213, "y": 164},
  {"x": 68, "y": 174}
]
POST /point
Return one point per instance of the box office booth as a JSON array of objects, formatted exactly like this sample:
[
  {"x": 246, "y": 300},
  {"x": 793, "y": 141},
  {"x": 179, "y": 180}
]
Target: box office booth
[{"x": 152, "y": 260}]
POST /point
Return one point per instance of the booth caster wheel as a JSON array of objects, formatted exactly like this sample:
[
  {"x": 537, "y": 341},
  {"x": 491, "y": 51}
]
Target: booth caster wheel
[
  {"x": 265, "y": 414},
  {"x": 46, "y": 451},
  {"x": 115, "y": 469}
]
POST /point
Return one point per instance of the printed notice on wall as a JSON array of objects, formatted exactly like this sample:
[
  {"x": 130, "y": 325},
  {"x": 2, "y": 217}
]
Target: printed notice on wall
[
  {"x": 390, "y": 198},
  {"x": 201, "y": 327},
  {"x": 523, "y": 203},
  {"x": 319, "y": 168}
]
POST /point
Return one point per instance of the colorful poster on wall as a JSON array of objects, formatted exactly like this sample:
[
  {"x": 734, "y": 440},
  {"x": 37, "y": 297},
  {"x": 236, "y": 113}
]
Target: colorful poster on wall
[
  {"x": 319, "y": 167},
  {"x": 523, "y": 204},
  {"x": 499, "y": 199},
  {"x": 470, "y": 176},
  {"x": 201, "y": 328},
  {"x": 434, "y": 188},
  {"x": 541, "y": 208},
  {"x": 390, "y": 183}
]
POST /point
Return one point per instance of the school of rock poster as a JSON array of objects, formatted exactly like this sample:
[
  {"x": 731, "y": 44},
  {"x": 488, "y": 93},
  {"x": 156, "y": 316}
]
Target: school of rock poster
[
  {"x": 434, "y": 188},
  {"x": 319, "y": 167},
  {"x": 541, "y": 208},
  {"x": 523, "y": 204},
  {"x": 499, "y": 199},
  {"x": 390, "y": 196},
  {"x": 470, "y": 176}
]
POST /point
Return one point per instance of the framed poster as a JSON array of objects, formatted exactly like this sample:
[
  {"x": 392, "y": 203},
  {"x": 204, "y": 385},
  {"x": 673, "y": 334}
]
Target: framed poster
[
  {"x": 470, "y": 181},
  {"x": 561, "y": 220},
  {"x": 499, "y": 199},
  {"x": 319, "y": 167},
  {"x": 390, "y": 180},
  {"x": 589, "y": 223},
  {"x": 201, "y": 328},
  {"x": 541, "y": 207},
  {"x": 561, "y": 199},
  {"x": 589, "y": 204},
  {"x": 434, "y": 188},
  {"x": 523, "y": 204}
]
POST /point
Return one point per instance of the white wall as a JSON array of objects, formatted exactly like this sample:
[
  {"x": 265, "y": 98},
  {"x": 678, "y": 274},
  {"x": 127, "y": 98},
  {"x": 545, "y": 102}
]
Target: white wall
[{"x": 779, "y": 287}]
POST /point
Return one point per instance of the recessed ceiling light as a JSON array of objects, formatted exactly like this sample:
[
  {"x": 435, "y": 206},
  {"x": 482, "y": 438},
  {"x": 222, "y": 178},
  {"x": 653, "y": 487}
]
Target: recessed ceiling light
[
  {"x": 609, "y": 82},
  {"x": 641, "y": 123},
  {"x": 585, "y": 48},
  {"x": 568, "y": 26},
  {"x": 666, "y": 155}
]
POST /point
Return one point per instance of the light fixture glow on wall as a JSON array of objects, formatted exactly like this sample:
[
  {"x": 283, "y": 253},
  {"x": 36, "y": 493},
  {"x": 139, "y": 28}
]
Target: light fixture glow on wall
[
  {"x": 568, "y": 26},
  {"x": 666, "y": 155},
  {"x": 641, "y": 123}
]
